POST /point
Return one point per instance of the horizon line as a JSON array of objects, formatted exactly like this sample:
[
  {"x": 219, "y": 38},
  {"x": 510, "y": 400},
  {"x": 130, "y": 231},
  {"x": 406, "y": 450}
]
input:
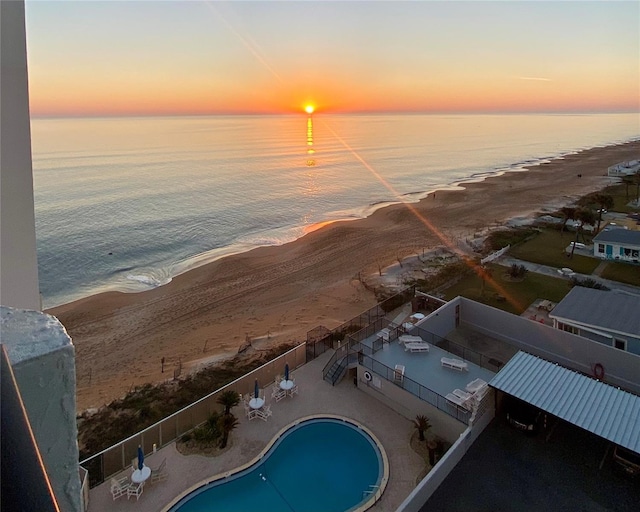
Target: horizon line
[{"x": 332, "y": 113}]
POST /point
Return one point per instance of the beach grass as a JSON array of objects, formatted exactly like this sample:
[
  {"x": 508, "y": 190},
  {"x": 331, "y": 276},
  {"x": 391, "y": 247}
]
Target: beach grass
[
  {"x": 511, "y": 296},
  {"x": 548, "y": 248},
  {"x": 622, "y": 272}
]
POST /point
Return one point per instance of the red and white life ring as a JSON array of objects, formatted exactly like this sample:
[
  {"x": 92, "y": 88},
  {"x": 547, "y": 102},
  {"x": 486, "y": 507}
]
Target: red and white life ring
[{"x": 598, "y": 371}]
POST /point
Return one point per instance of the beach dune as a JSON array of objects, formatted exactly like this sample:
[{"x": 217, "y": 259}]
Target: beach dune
[{"x": 274, "y": 295}]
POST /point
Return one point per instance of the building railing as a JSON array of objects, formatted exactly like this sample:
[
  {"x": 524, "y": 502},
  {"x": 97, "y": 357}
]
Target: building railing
[
  {"x": 458, "y": 350},
  {"x": 415, "y": 388},
  {"x": 116, "y": 458},
  {"x": 321, "y": 339}
]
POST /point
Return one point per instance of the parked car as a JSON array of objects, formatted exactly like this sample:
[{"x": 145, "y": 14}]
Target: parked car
[
  {"x": 626, "y": 461},
  {"x": 524, "y": 416}
]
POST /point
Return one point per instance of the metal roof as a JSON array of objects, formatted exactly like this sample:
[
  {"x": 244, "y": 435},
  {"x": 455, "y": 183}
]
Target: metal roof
[
  {"x": 618, "y": 235},
  {"x": 602, "y": 409},
  {"x": 615, "y": 311}
]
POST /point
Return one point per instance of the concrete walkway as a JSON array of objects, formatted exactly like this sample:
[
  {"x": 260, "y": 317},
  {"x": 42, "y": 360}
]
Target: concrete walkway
[
  {"x": 507, "y": 261},
  {"x": 316, "y": 396}
]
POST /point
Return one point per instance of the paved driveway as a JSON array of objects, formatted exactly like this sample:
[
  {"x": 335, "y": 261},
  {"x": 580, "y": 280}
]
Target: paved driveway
[{"x": 507, "y": 471}]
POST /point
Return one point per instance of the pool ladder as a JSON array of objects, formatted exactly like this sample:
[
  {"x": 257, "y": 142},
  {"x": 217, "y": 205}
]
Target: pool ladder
[{"x": 371, "y": 490}]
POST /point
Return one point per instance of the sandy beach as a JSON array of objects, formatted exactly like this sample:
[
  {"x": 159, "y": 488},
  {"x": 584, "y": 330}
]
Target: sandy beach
[{"x": 277, "y": 294}]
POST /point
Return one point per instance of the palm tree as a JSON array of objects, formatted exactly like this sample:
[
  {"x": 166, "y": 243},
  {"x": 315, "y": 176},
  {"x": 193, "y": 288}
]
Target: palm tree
[
  {"x": 601, "y": 201},
  {"x": 421, "y": 423},
  {"x": 568, "y": 213},
  {"x": 228, "y": 422},
  {"x": 583, "y": 216},
  {"x": 228, "y": 399},
  {"x": 627, "y": 180}
]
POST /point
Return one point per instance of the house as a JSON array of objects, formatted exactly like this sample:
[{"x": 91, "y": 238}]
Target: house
[
  {"x": 624, "y": 169},
  {"x": 615, "y": 243},
  {"x": 608, "y": 317}
]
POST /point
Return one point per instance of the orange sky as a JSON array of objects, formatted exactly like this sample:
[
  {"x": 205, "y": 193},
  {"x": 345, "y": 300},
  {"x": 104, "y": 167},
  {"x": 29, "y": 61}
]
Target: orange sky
[{"x": 115, "y": 58}]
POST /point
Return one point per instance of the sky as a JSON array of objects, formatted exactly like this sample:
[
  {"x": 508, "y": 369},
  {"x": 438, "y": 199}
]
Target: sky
[{"x": 90, "y": 58}]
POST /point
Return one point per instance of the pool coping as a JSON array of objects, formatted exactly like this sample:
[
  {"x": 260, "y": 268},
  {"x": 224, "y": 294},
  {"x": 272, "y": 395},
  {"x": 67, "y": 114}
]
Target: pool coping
[{"x": 366, "y": 505}]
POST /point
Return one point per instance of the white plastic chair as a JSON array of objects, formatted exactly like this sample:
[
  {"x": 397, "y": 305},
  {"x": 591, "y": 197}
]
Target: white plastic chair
[
  {"x": 135, "y": 490},
  {"x": 119, "y": 487},
  {"x": 160, "y": 474}
]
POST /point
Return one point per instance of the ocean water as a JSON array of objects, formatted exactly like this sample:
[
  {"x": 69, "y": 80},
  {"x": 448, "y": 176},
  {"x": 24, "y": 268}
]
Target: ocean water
[{"x": 128, "y": 203}]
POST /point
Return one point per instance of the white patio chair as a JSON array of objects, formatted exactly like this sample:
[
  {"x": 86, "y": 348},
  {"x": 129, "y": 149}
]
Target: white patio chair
[
  {"x": 135, "y": 490},
  {"x": 160, "y": 474},
  {"x": 278, "y": 394},
  {"x": 119, "y": 487},
  {"x": 293, "y": 390},
  {"x": 398, "y": 374}
]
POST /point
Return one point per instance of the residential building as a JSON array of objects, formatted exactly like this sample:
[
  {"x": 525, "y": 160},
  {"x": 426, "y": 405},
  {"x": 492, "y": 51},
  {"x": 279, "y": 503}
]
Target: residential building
[
  {"x": 616, "y": 243},
  {"x": 608, "y": 317}
]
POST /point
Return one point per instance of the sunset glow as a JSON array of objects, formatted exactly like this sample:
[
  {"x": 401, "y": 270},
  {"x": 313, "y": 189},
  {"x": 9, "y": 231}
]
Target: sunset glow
[{"x": 202, "y": 57}]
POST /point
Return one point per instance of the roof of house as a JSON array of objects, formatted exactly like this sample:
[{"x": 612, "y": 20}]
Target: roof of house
[
  {"x": 618, "y": 235},
  {"x": 605, "y": 410},
  {"x": 614, "y": 310}
]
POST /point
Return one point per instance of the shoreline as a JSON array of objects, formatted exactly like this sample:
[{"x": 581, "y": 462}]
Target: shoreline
[
  {"x": 139, "y": 282},
  {"x": 275, "y": 294}
]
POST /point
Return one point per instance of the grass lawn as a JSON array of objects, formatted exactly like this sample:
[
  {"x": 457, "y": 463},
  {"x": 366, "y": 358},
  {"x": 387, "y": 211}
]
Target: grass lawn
[
  {"x": 548, "y": 248},
  {"x": 518, "y": 295},
  {"x": 622, "y": 272},
  {"x": 620, "y": 199}
]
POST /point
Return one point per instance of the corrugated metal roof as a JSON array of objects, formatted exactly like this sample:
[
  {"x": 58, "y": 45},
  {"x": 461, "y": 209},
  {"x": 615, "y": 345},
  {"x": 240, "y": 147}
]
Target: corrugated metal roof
[
  {"x": 605, "y": 410},
  {"x": 616, "y": 311},
  {"x": 618, "y": 235}
]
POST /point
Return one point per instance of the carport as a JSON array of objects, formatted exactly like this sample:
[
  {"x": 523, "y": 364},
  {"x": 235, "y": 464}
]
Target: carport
[{"x": 595, "y": 406}]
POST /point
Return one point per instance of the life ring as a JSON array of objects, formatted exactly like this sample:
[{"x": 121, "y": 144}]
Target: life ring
[
  {"x": 598, "y": 371},
  {"x": 367, "y": 376}
]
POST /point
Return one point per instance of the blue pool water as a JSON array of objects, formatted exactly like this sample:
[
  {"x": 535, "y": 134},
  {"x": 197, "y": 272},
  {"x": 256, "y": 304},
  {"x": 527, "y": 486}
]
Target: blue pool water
[{"x": 317, "y": 466}]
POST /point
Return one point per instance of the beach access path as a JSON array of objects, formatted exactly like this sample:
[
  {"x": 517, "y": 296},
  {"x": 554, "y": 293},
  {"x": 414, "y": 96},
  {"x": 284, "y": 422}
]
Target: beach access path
[{"x": 277, "y": 294}]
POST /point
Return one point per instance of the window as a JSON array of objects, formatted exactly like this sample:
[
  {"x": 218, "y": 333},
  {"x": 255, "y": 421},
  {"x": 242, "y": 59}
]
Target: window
[
  {"x": 620, "y": 344},
  {"x": 600, "y": 248},
  {"x": 568, "y": 328}
]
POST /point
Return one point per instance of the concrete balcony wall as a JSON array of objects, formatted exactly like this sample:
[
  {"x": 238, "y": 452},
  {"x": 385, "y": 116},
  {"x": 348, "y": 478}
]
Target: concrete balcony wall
[{"x": 43, "y": 362}]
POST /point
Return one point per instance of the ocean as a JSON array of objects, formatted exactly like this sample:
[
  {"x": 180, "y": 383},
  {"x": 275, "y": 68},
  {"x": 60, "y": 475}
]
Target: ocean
[{"x": 128, "y": 203}]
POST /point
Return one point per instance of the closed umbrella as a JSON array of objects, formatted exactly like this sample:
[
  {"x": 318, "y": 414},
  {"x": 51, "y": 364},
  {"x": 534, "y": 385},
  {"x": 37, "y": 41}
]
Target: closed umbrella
[
  {"x": 256, "y": 390},
  {"x": 140, "y": 457},
  {"x": 286, "y": 371}
]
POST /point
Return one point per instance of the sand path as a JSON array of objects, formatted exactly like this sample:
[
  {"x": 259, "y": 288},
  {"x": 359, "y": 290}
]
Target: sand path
[{"x": 277, "y": 294}]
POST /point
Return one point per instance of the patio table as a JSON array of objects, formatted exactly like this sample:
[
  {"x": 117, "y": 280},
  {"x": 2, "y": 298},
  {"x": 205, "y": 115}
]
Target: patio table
[
  {"x": 141, "y": 475},
  {"x": 256, "y": 403}
]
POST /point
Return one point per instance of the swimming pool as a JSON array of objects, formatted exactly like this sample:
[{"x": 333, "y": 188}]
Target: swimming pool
[{"x": 315, "y": 465}]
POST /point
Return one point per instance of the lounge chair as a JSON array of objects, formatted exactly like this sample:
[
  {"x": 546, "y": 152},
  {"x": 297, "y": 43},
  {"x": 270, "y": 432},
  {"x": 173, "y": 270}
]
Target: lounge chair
[
  {"x": 462, "y": 394},
  {"x": 119, "y": 487},
  {"x": 398, "y": 374},
  {"x": 160, "y": 474},
  {"x": 454, "y": 364},
  {"x": 135, "y": 490},
  {"x": 456, "y": 400},
  {"x": 384, "y": 334},
  {"x": 416, "y": 347},
  {"x": 475, "y": 385},
  {"x": 409, "y": 338}
]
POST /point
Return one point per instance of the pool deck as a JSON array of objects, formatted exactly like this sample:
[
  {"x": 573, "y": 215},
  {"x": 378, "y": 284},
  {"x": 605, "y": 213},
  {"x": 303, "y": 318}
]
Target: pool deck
[{"x": 316, "y": 396}]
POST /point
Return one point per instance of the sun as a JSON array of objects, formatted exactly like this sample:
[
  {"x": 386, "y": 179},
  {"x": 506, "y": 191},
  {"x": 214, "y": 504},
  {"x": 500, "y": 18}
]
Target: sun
[{"x": 309, "y": 109}]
